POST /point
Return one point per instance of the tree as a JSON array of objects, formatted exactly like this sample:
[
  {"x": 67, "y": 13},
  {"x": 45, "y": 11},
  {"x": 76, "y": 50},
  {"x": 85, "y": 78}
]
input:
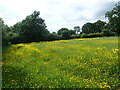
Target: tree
[
  {"x": 54, "y": 32},
  {"x": 32, "y": 28},
  {"x": 4, "y": 32},
  {"x": 16, "y": 28},
  {"x": 114, "y": 19},
  {"x": 77, "y": 29},
  {"x": 53, "y": 36},
  {"x": 99, "y": 25},
  {"x": 88, "y": 28},
  {"x": 60, "y": 31},
  {"x": 72, "y": 32},
  {"x": 65, "y": 34}
]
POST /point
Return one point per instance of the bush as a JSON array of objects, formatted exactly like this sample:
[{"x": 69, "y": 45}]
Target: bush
[
  {"x": 52, "y": 37},
  {"x": 91, "y": 35},
  {"x": 84, "y": 35},
  {"x": 75, "y": 36}
]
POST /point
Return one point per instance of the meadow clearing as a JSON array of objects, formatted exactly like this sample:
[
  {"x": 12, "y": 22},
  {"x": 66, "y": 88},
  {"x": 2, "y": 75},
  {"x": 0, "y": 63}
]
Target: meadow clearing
[{"x": 75, "y": 63}]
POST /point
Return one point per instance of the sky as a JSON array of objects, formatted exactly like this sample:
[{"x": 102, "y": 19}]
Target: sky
[{"x": 56, "y": 13}]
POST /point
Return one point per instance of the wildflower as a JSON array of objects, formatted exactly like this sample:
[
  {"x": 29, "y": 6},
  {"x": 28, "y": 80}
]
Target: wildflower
[
  {"x": 20, "y": 44},
  {"x": 80, "y": 39},
  {"x": 19, "y": 53},
  {"x": 115, "y": 50}
]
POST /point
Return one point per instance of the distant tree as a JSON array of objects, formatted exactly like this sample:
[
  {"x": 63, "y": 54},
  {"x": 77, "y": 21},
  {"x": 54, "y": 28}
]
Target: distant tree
[
  {"x": 65, "y": 34},
  {"x": 99, "y": 25},
  {"x": 114, "y": 19},
  {"x": 54, "y": 32},
  {"x": 72, "y": 32},
  {"x": 62, "y": 29},
  {"x": 53, "y": 36},
  {"x": 81, "y": 32},
  {"x": 77, "y": 29},
  {"x": 88, "y": 28}
]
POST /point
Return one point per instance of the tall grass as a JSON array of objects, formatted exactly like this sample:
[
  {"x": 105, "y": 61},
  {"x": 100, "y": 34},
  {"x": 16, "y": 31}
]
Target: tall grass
[{"x": 76, "y": 63}]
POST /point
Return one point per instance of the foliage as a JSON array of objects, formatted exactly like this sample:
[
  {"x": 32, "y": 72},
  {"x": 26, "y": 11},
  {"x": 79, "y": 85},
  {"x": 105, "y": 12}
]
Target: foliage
[
  {"x": 99, "y": 25},
  {"x": 77, "y": 29},
  {"x": 65, "y": 34},
  {"x": 60, "y": 31},
  {"x": 75, "y": 36},
  {"x": 91, "y": 35},
  {"x": 88, "y": 28},
  {"x": 14, "y": 38},
  {"x": 4, "y": 31},
  {"x": 4, "y": 39},
  {"x": 16, "y": 28},
  {"x": 114, "y": 19},
  {"x": 108, "y": 33},
  {"x": 54, "y": 36},
  {"x": 33, "y": 28},
  {"x": 76, "y": 63},
  {"x": 72, "y": 32}
]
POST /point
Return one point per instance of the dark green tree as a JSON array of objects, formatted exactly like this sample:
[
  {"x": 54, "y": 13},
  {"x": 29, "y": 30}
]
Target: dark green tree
[
  {"x": 65, "y": 34},
  {"x": 4, "y": 30},
  {"x": 60, "y": 31},
  {"x": 88, "y": 28},
  {"x": 114, "y": 19},
  {"x": 33, "y": 28},
  {"x": 53, "y": 36},
  {"x": 99, "y": 25},
  {"x": 54, "y": 32},
  {"x": 77, "y": 29},
  {"x": 16, "y": 28},
  {"x": 72, "y": 32}
]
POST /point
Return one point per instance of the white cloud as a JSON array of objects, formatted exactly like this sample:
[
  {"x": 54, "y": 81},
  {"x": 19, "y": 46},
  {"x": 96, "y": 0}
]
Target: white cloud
[{"x": 57, "y": 13}]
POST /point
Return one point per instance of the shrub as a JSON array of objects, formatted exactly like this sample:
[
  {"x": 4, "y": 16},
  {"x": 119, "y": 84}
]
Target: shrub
[
  {"x": 52, "y": 37},
  {"x": 84, "y": 35},
  {"x": 91, "y": 35},
  {"x": 75, "y": 36}
]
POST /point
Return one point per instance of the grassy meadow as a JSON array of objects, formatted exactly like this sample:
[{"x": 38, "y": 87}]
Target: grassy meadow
[{"x": 75, "y": 63}]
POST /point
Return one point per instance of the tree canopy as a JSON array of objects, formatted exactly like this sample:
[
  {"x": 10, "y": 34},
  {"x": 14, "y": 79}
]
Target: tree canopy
[
  {"x": 99, "y": 25},
  {"x": 4, "y": 29},
  {"x": 33, "y": 28},
  {"x": 77, "y": 29},
  {"x": 65, "y": 34},
  {"x": 114, "y": 19},
  {"x": 88, "y": 28},
  {"x": 62, "y": 29}
]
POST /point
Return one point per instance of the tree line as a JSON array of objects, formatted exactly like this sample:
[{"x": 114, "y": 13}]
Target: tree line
[{"x": 34, "y": 29}]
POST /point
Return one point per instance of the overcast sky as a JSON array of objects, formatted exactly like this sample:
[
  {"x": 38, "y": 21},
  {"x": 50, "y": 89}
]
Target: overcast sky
[{"x": 56, "y": 13}]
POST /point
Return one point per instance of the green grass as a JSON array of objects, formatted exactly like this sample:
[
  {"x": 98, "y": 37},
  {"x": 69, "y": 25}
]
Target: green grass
[{"x": 76, "y": 63}]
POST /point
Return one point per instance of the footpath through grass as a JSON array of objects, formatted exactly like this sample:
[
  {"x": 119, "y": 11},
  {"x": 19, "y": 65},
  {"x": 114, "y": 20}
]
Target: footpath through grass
[{"x": 76, "y": 63}]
